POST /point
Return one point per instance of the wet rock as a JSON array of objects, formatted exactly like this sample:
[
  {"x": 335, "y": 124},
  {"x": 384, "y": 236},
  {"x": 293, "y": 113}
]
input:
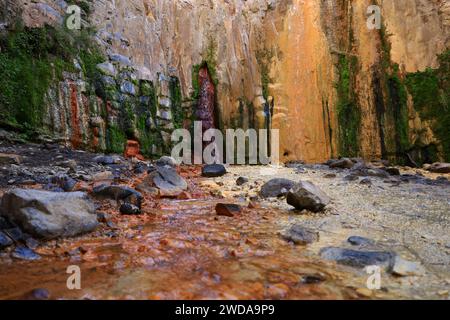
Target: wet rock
[
  {"x": 360, "y": 241},
  {"x": 440, "y": 167},
  {"x": 358, "y": 259},
  {"x": 393, "y": 171},
  {"x": 168, "y": 181},
  {"x": 6, "y": 159},
  {"x": 307, "y": 196},
  {"x": 129, "y": 209},
  {"x": 241, "y": 181},
  {"x": 38, "y": 294},
  {"x": 213, "y": 170},
  {"x": 166, "y": 161},
  {"x": 300, "y": 235},
  {"x": 24, "y": 253},
  {"x": 49, "y": 215},
  {"x": 405, "y": 268},
  {"x": 228, "y": 209},
  {"x": 276, "y": 188},
  {"x": 5, "y": 241},
  {"x": 117, "y": 192},
  {"x": 344, "y": 163}
]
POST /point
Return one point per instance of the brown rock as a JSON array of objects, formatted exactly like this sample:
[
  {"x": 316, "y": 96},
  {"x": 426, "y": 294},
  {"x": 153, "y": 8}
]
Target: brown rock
[{"x": 228, "y": 209}]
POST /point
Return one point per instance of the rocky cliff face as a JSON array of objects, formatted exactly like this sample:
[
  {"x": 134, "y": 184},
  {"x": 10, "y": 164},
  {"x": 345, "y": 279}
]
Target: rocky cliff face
[{"x": 335, "y": 87}]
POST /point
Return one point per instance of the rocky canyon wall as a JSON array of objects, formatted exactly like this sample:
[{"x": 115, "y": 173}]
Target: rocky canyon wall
[{"x": 328, "y": 83}]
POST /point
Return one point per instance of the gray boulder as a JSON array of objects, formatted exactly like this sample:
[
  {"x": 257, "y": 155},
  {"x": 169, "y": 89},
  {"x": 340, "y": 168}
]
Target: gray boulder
[
  {"x": 306, "y": 195},
  {"x": 167, "y": 180},
  {"x": 49, "y": 215},
  {"x": 276, "y": 188}
]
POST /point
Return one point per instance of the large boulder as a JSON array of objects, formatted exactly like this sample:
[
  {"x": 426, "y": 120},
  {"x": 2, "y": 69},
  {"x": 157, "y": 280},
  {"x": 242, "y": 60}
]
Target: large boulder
[
  {"x": 49, "y": 215},
  {"x": 306, "y": 195},
  {"x": 276, "y": 188}
]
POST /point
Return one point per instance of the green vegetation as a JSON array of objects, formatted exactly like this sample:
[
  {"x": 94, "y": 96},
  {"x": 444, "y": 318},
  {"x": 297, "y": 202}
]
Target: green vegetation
[
  {"x": 176, "y": 101},
  {"x": 31, "y": 59},
  {"x": 348, "y": 114},
  {"x": 264, "y": 58},
  {"x": 116, "y": 139},
  {"x": 430, "y": 90}
]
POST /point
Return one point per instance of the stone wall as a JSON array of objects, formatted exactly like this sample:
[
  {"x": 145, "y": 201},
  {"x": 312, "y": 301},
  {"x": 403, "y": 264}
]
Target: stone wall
[{"x": 288, "y": 54}]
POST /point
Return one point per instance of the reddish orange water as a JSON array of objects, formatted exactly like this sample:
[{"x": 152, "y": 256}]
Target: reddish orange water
[{"x": 178, "y": 250}]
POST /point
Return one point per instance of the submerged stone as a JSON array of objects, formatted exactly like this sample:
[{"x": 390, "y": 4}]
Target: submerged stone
[{"x": 300, "y": 235}]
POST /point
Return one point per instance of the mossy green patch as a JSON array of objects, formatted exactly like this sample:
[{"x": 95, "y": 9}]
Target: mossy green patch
[
  {"x": 430, "y": 90},
  {"x": 348, "y": 114},
  {"x": 31, "y": 60}
]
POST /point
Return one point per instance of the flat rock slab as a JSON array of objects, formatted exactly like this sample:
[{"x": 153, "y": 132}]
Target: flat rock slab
[
  {"x": 276, "y": 187},
  {"x": 358, "y": 259},
  {"x": 307, "y": 196},
  {"x": 49, "y": 215},
  {"x": 300, "y": 235}
]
